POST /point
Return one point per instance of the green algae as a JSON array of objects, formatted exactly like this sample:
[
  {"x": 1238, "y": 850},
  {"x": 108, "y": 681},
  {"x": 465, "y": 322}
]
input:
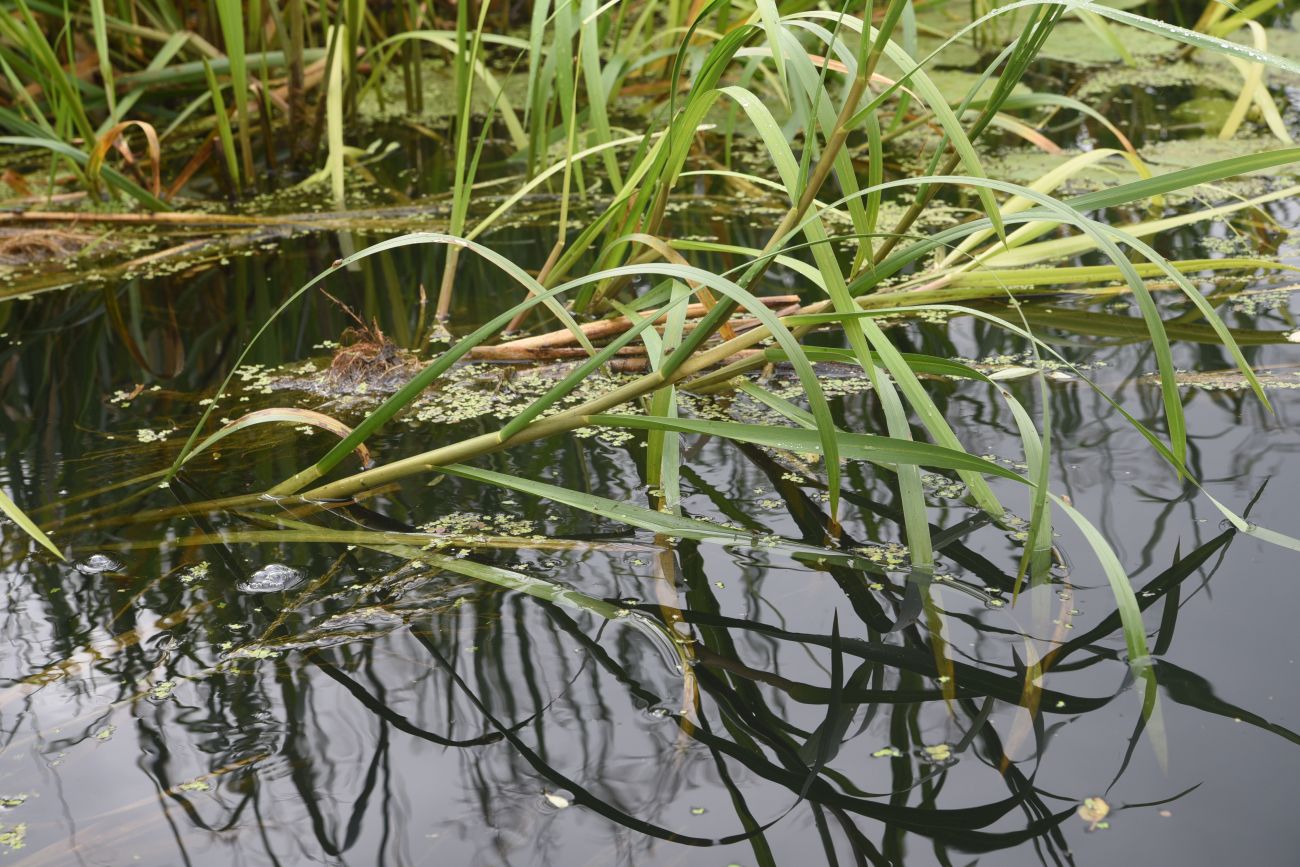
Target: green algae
[
  {"x": 1025, "y": 166},
  {"x": 1232, "y": 380},
  {"x": 1076, "y": 43},
  {"x": 956, "y": 84},
  {"x": 1156, "y": 78},
  {"x": 386, "y": 102},
  {"x": 13, "y": 837}
]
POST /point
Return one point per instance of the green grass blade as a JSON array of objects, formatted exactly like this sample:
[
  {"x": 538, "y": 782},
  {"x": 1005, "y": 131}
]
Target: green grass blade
[
  {"x": 878, "y": 449},
  {"x": 1189, "y": 37},
  {"x": 223, "y": 127},
  {"x": 655, "y": 521},
  {"x": 10, "y": 508},
  {"x": 334, "y": 150},
  {"x": 230, "y": 13},
  {"x": 597, "y": 97},
  {"x": 101, "y": 49},
  {"x": 430, "y": 373},
  {"x": 1130, "y": 615},
  {"x": 445, "y": 40}
]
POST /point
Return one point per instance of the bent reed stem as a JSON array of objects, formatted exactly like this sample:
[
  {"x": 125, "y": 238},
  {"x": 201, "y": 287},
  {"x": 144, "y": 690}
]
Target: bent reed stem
[
  {"x": 686, "y": 360},
  {"x": 578, "y": 416}
]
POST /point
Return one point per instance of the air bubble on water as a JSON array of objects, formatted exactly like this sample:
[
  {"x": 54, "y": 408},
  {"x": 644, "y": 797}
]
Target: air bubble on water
[
  {"x": 97, "y": 564},
  {"x": 995, "y": 603},
  {"x": 271, "y": 578}
]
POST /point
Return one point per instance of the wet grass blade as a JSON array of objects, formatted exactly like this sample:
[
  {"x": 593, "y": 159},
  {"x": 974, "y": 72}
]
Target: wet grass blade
[
  {"x": 863, "y": 337},
  {"x": 1190, "y": 37}
]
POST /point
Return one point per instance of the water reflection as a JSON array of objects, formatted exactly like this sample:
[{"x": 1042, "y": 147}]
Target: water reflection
[{"x": 810, "y": 697}]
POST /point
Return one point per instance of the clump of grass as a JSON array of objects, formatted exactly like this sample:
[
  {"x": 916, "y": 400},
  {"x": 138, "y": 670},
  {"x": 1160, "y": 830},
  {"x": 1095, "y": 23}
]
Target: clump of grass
[
  {"x": 626, "y": 240},
  {"x": 818, "y": 91},
  {"x": 368, "y": 359}
]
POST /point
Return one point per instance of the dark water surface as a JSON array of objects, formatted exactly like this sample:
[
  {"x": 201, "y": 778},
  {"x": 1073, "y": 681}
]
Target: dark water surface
[{"x": 375, "y": 712}]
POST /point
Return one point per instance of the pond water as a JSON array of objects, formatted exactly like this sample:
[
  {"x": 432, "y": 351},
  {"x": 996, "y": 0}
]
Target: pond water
[
  {"x": 287, "y": 683},
  {"x": 193, "y": 690}
]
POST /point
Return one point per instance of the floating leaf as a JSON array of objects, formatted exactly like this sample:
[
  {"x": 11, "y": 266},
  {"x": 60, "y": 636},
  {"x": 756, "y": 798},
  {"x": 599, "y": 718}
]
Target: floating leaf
[
  {"x": 1094, "y": 811},
  {"x": 936, "y": 753},
  {"x": 1009, "y": 373}
]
